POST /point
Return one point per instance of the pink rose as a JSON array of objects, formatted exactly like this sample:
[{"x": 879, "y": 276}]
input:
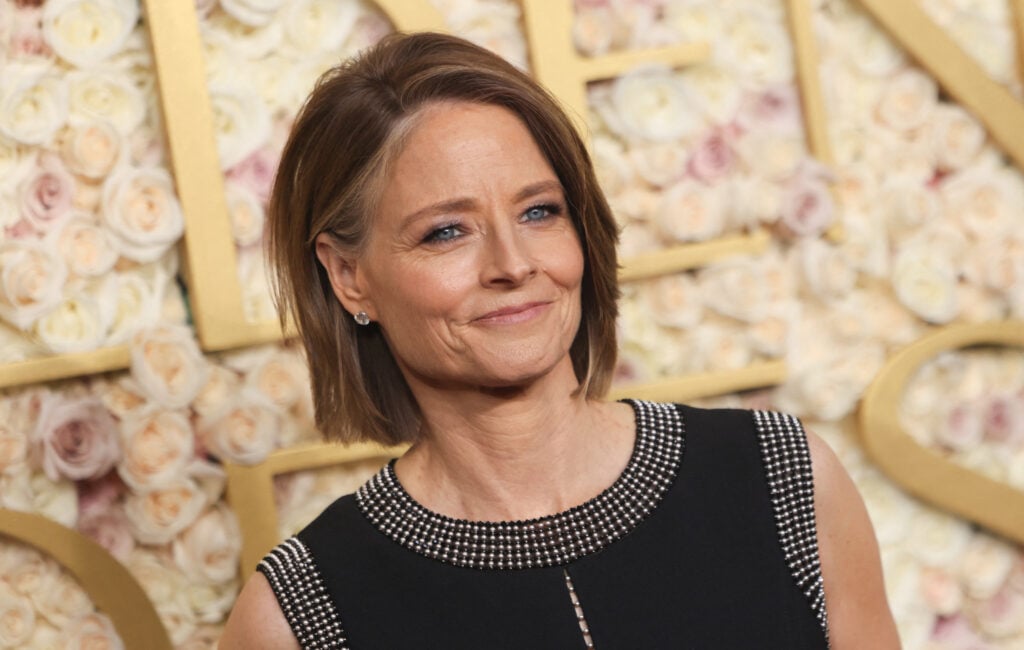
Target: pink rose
[
  {"x": 963, "y": 427},
  {"x": 46, "y": 195},
  {"x": 956, "y": 632},
  {"x": 255, "y": 172},
  {"x": 79, "y": 438},
  {"x": 1000, "y": 616},
  {"x": 110, "y": 530},
  {"x": 1004, "y": 420},
  {"x": 26, "y": 33},
  {"x": 807, "y": 206},
  {"x": 713, "y": 159},
  {"x": 775, "y": 108}
]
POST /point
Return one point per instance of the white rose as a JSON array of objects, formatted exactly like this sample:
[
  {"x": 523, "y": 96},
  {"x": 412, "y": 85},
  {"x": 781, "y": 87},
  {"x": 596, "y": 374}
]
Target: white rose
[
  {"x": 85, "y": 32},
  {"x": 675, "y": 300},
  {"x": 31, "y": 278},
  {"x": 651, "y": 103},
  {"x": 319, "y": 25},
  {"x": 986, "y": 564},
  {"x": 142, "y": 212},
  {"x": 755, "y": 201},
  {"x": 74, "y": 325},
  {"x": 92, "y": 149},
  {"x": 55, "y": 500},
  {"x": 94, "y": 631},
  {"x": 957, "y": 136},
  {"x": 722, "y": 348},
  {"x": 985, "y": 201},
  {"x": 17, "y": 619},
  {"x": 831, "y": 390},
  {"x": 210, "y": 603},
  {"x": 244, "y": 434},
  {"x": 757, "y": 51},
  {"x": 157, "y": 516},
  {"x": 906, "y": 205},
  {"x": 137, "y": 306},
  {"x": 105, "y": 97},
  {"x": 62, "y": 601},
  {"x": 33, "y": 104},
  {"x": 493, "y": 25},
  {"x": 772, "y": 335},
  {"x": 866, "y": 243},
  {"x": 593, "y": 30},
  {"x": 908, "y": 100},
  {"x": 208, "y": 551},
  {"x": 241, "y": 121},
  {"x": 871, "y": 49},
  {"x": 226, "y": 39},
  {"x": 168, "y": 365},
  {"x": 614, "y": 171},
  {"x": 635, "y": 203},
  {"x": 693, "y": 21},
  {"x": 86, "y": 248},
  {"x": 771, "y": 155},
  {"x": 715, "y": 91},
  {"x": 997, "y": 263},
  {"x": 941, "y": 591},
  {"x": 14, "y": 166},
  {"x": 257, "y": 304},
  {"x": 902, "y": 575},
  {"x": 252, "y": 12},
  {"x": 246, "y": 214},
  {"x": 735, "y": 288},
  {"x": 889, "y": 507},
  {"x": 937, "y": 539},
  {"x": 636, "y": 239},
  {"x": 926, "y": 284},
  {"x": 157, "y": 446},
  {"x": 990, "y": 43},
  {"x": 828, "y": 272},
  {"x": 692, "y": 211},
  {"x": 281, "y": 379},
  {"x": 158, "y": 577}
]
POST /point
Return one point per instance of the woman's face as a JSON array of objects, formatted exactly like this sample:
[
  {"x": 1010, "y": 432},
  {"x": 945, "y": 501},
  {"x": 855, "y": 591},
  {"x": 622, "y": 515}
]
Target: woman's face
[{"x": 472, "y": 267}]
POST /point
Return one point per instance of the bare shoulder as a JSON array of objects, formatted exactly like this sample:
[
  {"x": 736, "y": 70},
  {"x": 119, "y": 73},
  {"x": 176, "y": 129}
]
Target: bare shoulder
[
  {"x": 858, "y": 611},
  {"x": 256, "y": 620}
]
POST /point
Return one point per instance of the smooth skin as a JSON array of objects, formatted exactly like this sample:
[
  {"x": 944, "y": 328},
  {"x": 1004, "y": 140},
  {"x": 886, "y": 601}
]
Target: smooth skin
[{"x": 473, "y": 272}]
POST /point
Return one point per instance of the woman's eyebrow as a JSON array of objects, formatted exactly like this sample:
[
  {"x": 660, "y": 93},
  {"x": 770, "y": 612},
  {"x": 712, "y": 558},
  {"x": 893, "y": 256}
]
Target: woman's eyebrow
[
  {"x": 534, "y": 189},
  {"x": 441, "y": 207}
]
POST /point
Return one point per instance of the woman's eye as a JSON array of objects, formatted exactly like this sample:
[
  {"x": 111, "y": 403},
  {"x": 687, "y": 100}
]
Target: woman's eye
[
  {"x": 538, "y": 212},
  {"x": 444, "y": 233}
]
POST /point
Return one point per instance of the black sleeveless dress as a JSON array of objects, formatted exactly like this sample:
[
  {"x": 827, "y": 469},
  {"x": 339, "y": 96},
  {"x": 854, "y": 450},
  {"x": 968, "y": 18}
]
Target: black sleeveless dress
[{"x": 706, "y": 541}]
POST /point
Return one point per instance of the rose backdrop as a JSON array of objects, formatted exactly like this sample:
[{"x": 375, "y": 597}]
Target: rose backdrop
[{"x": 934, "y": 233}]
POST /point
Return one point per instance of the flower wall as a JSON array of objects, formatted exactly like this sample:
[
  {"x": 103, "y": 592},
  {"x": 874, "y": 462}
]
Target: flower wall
[{"x": 930, "y": 210}]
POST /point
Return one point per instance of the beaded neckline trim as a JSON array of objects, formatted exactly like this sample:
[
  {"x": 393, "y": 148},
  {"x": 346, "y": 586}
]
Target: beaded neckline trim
[{"x": 553, "y": 540}]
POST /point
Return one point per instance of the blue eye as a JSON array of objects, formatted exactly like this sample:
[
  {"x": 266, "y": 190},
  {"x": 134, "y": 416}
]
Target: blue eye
[
  {"x": 539, "y": 212},
  {"x": 443, "y": 234}
]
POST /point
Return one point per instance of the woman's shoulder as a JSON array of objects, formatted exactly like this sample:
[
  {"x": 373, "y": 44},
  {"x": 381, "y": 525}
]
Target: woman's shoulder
[{"x": 256, "y": 620}]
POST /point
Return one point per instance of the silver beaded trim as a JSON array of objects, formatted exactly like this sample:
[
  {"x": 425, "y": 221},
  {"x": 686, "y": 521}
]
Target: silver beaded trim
[
  {"x": 578, "y": 609},
  {"x": 787, "y": 461},
  {"x": 554, "y": 540},
  {"x": 300, "y": 592}
]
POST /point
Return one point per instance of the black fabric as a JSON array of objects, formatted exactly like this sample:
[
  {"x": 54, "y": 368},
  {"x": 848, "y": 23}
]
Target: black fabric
[{"x": 705, "y": 570}]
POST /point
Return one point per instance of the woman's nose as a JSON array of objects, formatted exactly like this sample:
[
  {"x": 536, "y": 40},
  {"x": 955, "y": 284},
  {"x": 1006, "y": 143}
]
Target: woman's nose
[{"x": 508, "y": 259}]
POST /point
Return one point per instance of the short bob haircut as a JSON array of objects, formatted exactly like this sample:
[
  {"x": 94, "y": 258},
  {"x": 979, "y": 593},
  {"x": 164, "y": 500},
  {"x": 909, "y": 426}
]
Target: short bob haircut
[{"x": 334, "y": 167}]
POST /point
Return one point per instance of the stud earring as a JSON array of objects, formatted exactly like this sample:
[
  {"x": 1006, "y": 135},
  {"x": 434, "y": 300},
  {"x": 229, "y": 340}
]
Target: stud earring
[{"x": 362, "y": 318}]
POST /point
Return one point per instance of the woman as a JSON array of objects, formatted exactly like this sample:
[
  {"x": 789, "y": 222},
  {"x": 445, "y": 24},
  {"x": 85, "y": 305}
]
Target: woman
[{"x": 449, "y": 260}]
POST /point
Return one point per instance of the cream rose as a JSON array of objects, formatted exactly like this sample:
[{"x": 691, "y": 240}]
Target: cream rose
[
  {"x": 771, "y": 335},
  {"x": 659, "y": 163},
  {"x": 167, "y": 364},
  {"x": 675, "y": 300},
  {"x": 941, "y": 591},
  {"x": 280, "y": 379},
  {"x": 827, "y": 271},
  {"x": 208, "y": 551},
  {"x": 93, "y": 631},
  {"x": 651, "y": 103},
  {"x": 757, "y": 50},
  {"x": 873, "y": 52},
  {"x": 985, "y": 201},
  {"x": 157, "y": 516},
  {"x": 614, "y": 171},
  {"x": 986, "y": 565},
  {"x": 735, "y": 288},
  {"x": 138, "y": 304},
  {"x": 774, "y": 108},
  {"x": 244, "y": 434},
  {"x": 31, "y": 278},
  {"x": 226, "y": 40},
  {"x": 142, "y": 212},
  {"x": 1000, "y": 616},
  {"x": 755, "y": 201},
  {"x": 888, "y": 507},
  {"x": 908, "y": 100},
  {"x": 78, "y": 438},
  {"x": 158, "y": 445},
  {"x": 13, "y": 448},
  {"x": 92, "y": 149},
  {"x": 773, "y": 156},
  {"x": 693, "y": 21},
  {"x": 253, "y": 274},
  {"x": 925, "y": 283},
  {"x": 217, "y": 394},
  {"x": 692, "y": 211},
  {"x": 593, "y": 30},
  {"x": 210, "y": 603},
  {"x": 85, "y": 32},
  {"x": 251, "y": 12},
  {"x": 938, "y": 539},
  {"x": 241, "y": 121},
  {"x": 319, "y": 25},
  {"x": 958, "y": 137},
  {"x": 246, "y": 214},
  {"x": 493, "y": 25},
  {"x": 62, "y": 601},
  {"x": 56, "y": 500},
  {"x": 86, "y": 248},
  {"x": 907, "y": 205},
  {"x": 33, "y": 104},
  {"x": 17, "y": 619}
]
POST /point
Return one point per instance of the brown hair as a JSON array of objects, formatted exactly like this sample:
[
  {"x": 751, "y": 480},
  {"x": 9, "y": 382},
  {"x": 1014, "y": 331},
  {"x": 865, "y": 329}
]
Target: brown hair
[{"x": 348, "y": 132}]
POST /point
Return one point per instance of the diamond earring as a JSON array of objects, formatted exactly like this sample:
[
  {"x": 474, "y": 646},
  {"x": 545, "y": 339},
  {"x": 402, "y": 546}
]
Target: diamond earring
[{"x": 362, "y": 318}]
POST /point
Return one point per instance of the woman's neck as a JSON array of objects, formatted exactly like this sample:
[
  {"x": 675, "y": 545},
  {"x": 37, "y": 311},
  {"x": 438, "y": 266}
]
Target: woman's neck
[{"x": 534, "y": 452}]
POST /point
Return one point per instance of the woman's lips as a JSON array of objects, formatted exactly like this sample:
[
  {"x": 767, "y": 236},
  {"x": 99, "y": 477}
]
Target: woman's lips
[{"x": 513, "y": 314}]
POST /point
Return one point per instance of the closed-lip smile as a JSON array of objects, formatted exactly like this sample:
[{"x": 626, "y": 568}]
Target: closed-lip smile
[{"x": 514, "y": 313}]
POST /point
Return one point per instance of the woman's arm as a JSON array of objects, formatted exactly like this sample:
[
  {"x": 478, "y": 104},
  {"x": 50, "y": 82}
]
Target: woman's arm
[
  {"x": 858, "y": 612},
  {"x": 256, "y": 620}
]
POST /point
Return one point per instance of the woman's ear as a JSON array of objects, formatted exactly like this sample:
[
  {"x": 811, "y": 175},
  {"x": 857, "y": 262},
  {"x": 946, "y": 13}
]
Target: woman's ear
[{"x": 343, "y": 271}]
